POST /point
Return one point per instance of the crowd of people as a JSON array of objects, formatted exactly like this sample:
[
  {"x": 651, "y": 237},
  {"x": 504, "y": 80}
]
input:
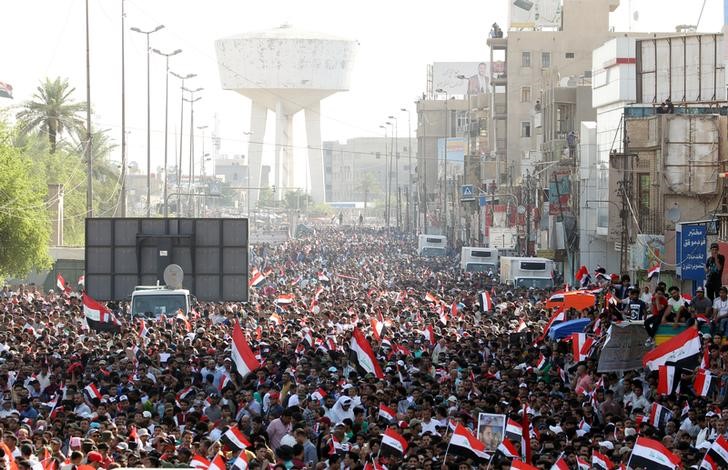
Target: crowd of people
[{"x": 166, "y": 396}]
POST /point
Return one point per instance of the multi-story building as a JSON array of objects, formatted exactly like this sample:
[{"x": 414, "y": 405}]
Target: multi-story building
[
  {"x": 356, "y": 170},
  {"x": 232, "y": 170},
  {"x": 535, "y": 61}
]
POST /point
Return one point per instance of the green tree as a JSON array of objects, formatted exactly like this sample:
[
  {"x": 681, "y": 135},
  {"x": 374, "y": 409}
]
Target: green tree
[
  {"x": 368, "y": 186},
  {"x": 24, "y": 228},
  {"x": 297, "y": 200},
  {"x": 52, "y": 112}
]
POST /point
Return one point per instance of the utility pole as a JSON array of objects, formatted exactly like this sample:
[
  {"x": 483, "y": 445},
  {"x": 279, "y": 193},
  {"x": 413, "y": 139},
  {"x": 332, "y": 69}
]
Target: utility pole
[
  {"x": 89, "y": 164},
  {"x": 386, "y": 180},
  {"x": 409, "y": 164},
  {"x": 123, "y": 111},
  {"x": 149, "y": 119},
  {"x": 166, "y": 120},
  {"x": 445, "y": 189},
  {"x": 181, "y": 135},
  {"x": 396, "y": 167},
  {"x": 190, "y": 183}
]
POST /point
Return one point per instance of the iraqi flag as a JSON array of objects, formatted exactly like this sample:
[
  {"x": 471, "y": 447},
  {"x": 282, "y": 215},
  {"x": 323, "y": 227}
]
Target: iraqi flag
[
  {"x": 717, "y": 454},
  {"x": 393, "y": 444},
  {"x": 242, "y": 356},
  {"x": 61, "y": 284},
  {"x": 514, "y": 431},
  {"x": 668, "y": 380},
  {"x": 521, "y": 325},
  {"x": 363, "y": 354},
  {"x": 582, "y": 464},
  {"x": 234, "y": 439},
  {"x": 377, "y": 327},
  {"x": 559, "y": 316},
  {"x": 508, "y": 449},
  {"x": 519, "y": 465},
  {"x": 256, "y": 278},
  {"x": 651, "y": 454},
  {"x": 199, "y": 462},
  {"x": 284, "y": 299},
  {"x": 583, "y": 277},
  {"x": 703, "y": 382},
  {"x": 6, "y": 90},
  {"x": 464, "y": 444},
  {"x": 387, "y": 413},
  {"x": 430, "y": 297},
  {"x": 486, "y": 302},
  {"x": 581, "y": 346},
  {"x": 98, "y": 316},
  {"x": 218, "y": 463},
  {"x": 601, "y": 461},
  {"x": 683, "y": 350},
  {"x": 659, "y": 415},
  {"x": 92, "y": 392},
  {"x": 653, "y": 271},
  {"x": 561, "y": 464},
  {"x": 322, "y": 277},
  {"x": 241, "y": 462}
]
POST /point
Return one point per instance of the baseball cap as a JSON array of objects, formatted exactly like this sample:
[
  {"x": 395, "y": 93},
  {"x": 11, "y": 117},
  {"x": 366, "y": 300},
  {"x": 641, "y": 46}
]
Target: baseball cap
[{"x": 94, "y": 456}]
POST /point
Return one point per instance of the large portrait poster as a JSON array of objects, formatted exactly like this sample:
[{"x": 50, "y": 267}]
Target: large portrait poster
[{"x": 491, "y": 430}]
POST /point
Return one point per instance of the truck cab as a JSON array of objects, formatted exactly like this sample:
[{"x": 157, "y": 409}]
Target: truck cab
[
  {"x": 478, "y": 260},
  {"x": 155, "y": 301},
  {"x": 431, "y": 245}
]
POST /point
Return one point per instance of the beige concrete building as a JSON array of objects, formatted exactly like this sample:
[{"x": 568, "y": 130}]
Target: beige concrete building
[{"x": 536, "y": 61}]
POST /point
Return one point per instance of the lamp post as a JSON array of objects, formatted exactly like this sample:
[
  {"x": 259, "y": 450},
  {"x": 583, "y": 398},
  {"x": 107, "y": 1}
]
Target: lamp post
[
  {"x": 181, "y": 134},
  {"x": 123, "y": 111},
  {"x": 192, "y": 101},
  {"x": 395, "y": 155},
  {"x": 409, "y": 164},
  {"x": 89, "y": 153},
  {"x": 389, "y": 172},
  {"x": 445, "y": 189},
  {"x": 386, "y": 177},
  {"x": 166, "y": 56},
  {"x": 149, "y": 120}
]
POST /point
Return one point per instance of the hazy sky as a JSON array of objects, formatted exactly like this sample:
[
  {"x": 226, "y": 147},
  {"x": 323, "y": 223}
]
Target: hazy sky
[{"x": 45, "y": 38}]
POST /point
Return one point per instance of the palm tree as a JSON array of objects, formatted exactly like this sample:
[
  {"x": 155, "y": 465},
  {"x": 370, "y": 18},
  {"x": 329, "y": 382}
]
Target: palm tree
[
  {"x": 367, "y": 185},
  {"x": 51, "y": 111}
]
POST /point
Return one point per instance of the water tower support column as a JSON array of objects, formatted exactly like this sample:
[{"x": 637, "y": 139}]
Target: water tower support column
[
  {"x": 258, "y": 117},
  {"x": 315, "y": 154}
]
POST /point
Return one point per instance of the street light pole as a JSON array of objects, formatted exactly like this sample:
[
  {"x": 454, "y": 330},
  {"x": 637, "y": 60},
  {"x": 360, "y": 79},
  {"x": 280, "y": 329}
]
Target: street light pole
[
  {"x": 389, "y": 173},
  {"x": 409, "y": 164},
  {"x": 395, "y": 154},
  {"x": 181, "y": 134},
  {"x": 192, "y": 101},
  {"x": 166, "y": 119},
  {"x": 149, "y": 119},
  {"x": 386, "y": 177},
  {"x": 202, "y": 163},
  {"x": 123, "y": 111}
]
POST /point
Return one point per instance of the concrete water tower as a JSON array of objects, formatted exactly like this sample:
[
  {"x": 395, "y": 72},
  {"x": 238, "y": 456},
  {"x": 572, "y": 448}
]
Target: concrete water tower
[{"x": 285, "y": 70}]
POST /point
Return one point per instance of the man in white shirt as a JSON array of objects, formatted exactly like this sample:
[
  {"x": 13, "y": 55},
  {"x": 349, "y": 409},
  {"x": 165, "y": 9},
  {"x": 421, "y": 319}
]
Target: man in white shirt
[
  {"x": 646, "y": 296},
  {"x": 720, "y": 310}
]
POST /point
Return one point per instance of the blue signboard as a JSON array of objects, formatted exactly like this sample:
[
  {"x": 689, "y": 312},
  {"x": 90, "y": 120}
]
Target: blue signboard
[{"x": 691, "y": 248}]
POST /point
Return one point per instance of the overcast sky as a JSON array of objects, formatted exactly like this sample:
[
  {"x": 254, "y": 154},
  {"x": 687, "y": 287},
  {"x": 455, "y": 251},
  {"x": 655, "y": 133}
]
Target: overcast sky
[{"x": 45, "y": 38}]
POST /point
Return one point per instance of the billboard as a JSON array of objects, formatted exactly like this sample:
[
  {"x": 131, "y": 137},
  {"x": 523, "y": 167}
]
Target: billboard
[
  {"x": 691, "y": 240},
  {"x": 455, "y": 149},
  {"x": 122, "y": 253},
  {"x": 445, "y": 77},
  {"x": 534, "y": 14}
]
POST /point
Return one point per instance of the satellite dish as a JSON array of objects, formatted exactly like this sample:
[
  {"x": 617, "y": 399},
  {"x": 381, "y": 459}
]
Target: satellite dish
[
  {"x": 521, "y": 210},
  {"x": 673, "y": 214},
  {"x": 173, "y": 276}
]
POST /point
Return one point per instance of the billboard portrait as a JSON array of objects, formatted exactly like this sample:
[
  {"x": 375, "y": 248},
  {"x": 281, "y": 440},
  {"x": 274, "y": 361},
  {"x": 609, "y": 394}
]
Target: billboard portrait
[
  {"x": 491, "y": 430},
  {"x": 445, "y": 77}
]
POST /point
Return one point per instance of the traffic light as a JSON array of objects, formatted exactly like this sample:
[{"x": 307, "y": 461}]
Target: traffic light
[{"x": 273, "y": 188}]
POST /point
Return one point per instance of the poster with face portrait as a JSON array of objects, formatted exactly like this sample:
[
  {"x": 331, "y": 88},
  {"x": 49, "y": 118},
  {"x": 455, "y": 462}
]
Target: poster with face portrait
[{"x": 491, "y": 429}]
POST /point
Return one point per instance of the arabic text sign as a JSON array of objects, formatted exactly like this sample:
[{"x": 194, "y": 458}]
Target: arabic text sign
[{"x": 692, "y": 251}]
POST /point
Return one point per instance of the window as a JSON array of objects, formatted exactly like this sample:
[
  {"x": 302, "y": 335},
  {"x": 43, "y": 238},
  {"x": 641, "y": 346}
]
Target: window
[
  {"x": 643, "y": 190},
  {"x": 526, "y": 94},
  {"x": 525, "y": 59},
  {"x": 545, "y": 60},
  {"x": 569, "y": 55},
  {"x": 525, "y": 129}
]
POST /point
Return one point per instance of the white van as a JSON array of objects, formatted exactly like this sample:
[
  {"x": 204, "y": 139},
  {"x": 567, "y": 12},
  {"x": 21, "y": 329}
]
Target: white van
[
  {"x": 155, "y": 301},
  {"x": 478, "y": 260},
  {"x": 432, "y": 245}
]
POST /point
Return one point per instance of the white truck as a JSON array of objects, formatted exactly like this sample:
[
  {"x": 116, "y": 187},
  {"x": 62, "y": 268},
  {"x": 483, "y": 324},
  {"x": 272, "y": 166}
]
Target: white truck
[
  {"x": 155, "y": 301},
  {"x": 527, "y": 272},
  {"x": 478, "y": 260},
  {"x": 431, "y": 245}
]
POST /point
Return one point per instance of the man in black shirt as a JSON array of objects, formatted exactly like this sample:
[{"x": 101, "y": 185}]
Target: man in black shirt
[
  {"x": 713, "y": 272},
  {"x": 634, "y": 308}
]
